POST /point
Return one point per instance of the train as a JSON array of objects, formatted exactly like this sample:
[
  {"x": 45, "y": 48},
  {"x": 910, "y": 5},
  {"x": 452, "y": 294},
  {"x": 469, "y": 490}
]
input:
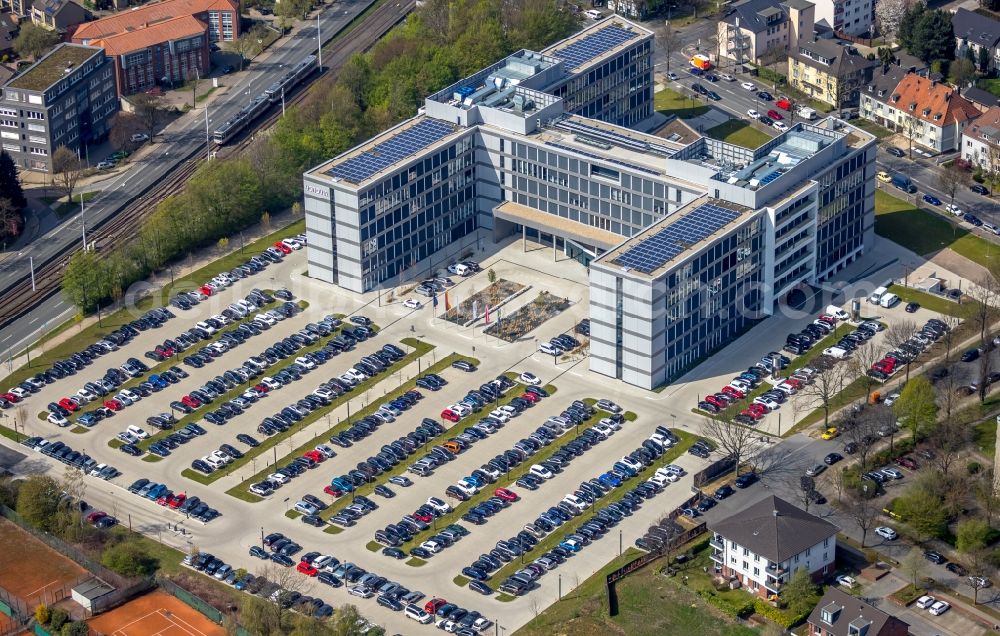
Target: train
[{"x": 274, "y": 94}]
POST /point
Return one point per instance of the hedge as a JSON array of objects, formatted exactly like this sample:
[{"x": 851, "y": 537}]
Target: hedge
[
  {"x": 743, "y": 608},
  {"x": 781, "y": 617}
]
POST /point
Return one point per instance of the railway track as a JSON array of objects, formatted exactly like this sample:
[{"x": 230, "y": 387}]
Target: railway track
[{"x": 123, "y": 226}]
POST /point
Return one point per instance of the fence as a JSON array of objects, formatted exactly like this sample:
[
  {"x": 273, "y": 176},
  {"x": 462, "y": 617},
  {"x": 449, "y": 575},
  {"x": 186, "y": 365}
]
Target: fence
[
  {"x": 713, "y": 470},
  {"x": 190, "y": 599}
]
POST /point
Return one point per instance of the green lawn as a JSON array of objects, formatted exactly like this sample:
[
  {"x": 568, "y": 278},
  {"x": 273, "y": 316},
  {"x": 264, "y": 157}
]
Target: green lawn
[
  {"x": 990, "y": 85},
  {"x": 670, "y": 102},
  {"x": 65, "y": 208},
  {"x": 648, "y": 605},
  {"x": 925, "y": 233},
  {"x": 872, "y": 127},
  {"x": 740, "y": 133},
  {"x": 930, "y": 301},
  {"x": 985, "y": 435}
]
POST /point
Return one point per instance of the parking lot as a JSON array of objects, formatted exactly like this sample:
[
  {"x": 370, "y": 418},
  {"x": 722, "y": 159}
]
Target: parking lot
[{"x": 244, "y": 519}]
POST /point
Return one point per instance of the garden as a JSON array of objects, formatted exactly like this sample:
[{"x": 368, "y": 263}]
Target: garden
[
  {"x": 544, "y": 307},
  {"x": 474, "y": 307}
]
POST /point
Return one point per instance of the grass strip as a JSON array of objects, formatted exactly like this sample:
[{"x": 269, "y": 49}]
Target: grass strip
[
  {"x": 460, "y": 580},
  {"x": 293, "y": 514},
  {"x": 416, "y": 562},
  {"x": 270, "y": 442},
  {"x": 933, "y": 302},
  {"x": 373, "y": 546},
  {"x": 333, "y": 530},
  {"x": 152, "y": 459},
  {"x": 401, "y": 467},
  {"x": 554, "y": 538},
  {"x": 107, "y": 324},
  {"x": 11, "y": 434}
]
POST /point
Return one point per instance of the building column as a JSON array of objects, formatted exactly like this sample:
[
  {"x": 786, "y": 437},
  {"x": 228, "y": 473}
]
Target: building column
[
  {"x": 524, "y": 239},
  {"x": 555, "y": 252}
]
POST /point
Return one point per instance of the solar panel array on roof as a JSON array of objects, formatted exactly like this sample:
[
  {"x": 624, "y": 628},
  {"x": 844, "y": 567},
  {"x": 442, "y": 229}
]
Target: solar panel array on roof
[
  {"x": 594, "y": 45},
  {"x": 651, "y": 253},
  {"x": 770, "y": 177},
  {"x": 393, "y": 150}
]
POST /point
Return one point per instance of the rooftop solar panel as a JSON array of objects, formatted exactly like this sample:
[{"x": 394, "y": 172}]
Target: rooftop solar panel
[
  {"x": 393, "y": 150},
  {"x": 654, "y": 251},
  {"x": 594, "y": 45}
]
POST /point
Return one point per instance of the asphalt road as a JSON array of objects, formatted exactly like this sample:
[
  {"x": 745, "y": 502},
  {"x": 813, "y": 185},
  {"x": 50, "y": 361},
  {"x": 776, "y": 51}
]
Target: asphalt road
[{"x": 172, "y": 147}]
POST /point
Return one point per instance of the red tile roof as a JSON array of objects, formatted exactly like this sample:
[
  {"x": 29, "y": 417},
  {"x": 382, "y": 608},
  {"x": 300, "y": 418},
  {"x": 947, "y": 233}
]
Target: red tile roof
[
  {"x": 149, "y": 14},
  {"x": 178, "y": 28},
  {"x": 933, "y": 102}
]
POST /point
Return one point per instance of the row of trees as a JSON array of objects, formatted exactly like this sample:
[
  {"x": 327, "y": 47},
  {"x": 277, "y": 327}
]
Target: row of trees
[
  {"x": 927, "y": 33},
  {"x": 12, "y": 200},
  {"x": 440, "y": 42}
]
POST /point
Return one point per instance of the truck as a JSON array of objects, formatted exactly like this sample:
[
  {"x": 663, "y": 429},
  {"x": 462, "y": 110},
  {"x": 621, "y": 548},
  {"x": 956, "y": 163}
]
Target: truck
[
  {"x": 702, "y": 62},
  {"x": 806, "y": 113},
  {"x": 902, "y": 182}
]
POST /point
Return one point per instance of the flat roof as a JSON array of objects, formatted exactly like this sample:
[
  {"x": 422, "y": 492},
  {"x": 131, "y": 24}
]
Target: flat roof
[
  {"x": 394, "y": 147},
  {"x": 52, "y": 68},
  {"x": 600, "y": 40},
  {"x": 666, "y": 242},
  {"x": 554, "y": 224}
]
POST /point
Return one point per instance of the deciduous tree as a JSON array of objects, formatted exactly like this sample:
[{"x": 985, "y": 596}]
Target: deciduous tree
[
  {"x": 34, "y": 41},
  {"x": 800, "y": 592},
  {"x": 149, "y": 111},
  {"x": 914, "y": 565},
  {"x": 971, "y": 535},
  {"x": 733, "y": 439},
  {"x": 864, "y": 512},
  {"x": 888, "y": 14},
  {"x": 129, "y": 558},
  {"x": 38, "y": 502},
  {"x": 826, "y": 385},
  {"x": 66, "y": 167},
  {"x": 916, "y": 408},
  {"x": 922, "y": 512}
]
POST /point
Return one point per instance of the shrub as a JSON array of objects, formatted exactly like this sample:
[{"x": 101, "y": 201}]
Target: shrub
[
  {"x": 58, "y": 618},
  {"x": 784, "y": 618},
  {"x": 129, "y": 558},
  {"x": 974, "y": 468},
  {"x": 76, "y": 628},
  {"x": 42, "y": 614}
]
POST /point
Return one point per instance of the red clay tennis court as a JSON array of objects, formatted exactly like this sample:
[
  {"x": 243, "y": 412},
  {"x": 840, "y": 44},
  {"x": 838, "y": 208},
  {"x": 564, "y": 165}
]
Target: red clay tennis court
[
  {"x": 154, "y": 614},
  {"x": 31, "y": 569}
]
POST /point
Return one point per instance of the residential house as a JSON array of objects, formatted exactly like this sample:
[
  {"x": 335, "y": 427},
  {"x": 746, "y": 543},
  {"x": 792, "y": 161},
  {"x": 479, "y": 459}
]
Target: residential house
[
  {"x": 975, "y": 31},
  {"x": 57, "y": 15},
  {"x": 981, "y": 99},
  {"x": 830, "y": 72},
  {"x": 8, "y": 31},
  {"x": 166, "y": 53},
  {"x": 222, "y": 18},
  {"x": 981, "y": 141},
  {"x": 20, "y": 8},
  {"x": 840, "y": 614},
  {"x": 849, "y": 17},
  {"x": 763, "y": 544},
  {"x": 926, "y": 111},
  {"x": 762, "y": 31},
  {"x": 67, "y": 98}
]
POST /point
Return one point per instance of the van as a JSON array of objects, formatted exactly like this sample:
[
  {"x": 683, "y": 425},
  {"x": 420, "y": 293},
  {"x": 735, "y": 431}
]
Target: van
[
  {"x": 902, "y": 182},
  {"x": 806, "y": 113},
  {"x": 593, "y": 14},
  {"x": 836, "y": 312},
  {"x": 415, "y": 613},
  {"x": 461, "y": 269},
  {"x": 876, "y": 296},
  {"x": 888, "y": 300}
]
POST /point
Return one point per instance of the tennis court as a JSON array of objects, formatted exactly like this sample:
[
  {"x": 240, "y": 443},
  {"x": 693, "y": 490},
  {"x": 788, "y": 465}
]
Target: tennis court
[
  {"x": 33, "y": 571},
  {"x": 155, "y": 614}
]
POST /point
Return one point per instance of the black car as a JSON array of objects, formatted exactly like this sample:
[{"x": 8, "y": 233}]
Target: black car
[
  {"x": 912, "y": 307},
  {"x": 765, "y": 96},
  {"x": 934, "y": 557},
  {"x": 832, "y": 459},
  {"x": 970, "y": 355},
  {"x": 979, "y": 188},
  {"x": 745, "y": 480},
  {"x": 895, "y": 152},
  {"x": 723, "y": 491}
]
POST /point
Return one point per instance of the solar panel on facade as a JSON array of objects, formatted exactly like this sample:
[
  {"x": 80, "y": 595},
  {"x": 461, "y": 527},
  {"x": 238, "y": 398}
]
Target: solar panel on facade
[
  {"x": 393, "y": 150},
  {"x": 594, "y": 45},
  {"x": 652, "y": 252}
]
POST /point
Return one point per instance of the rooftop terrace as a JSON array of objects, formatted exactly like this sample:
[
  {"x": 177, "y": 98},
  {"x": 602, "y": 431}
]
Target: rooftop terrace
[{"x": 53, "y": 67}]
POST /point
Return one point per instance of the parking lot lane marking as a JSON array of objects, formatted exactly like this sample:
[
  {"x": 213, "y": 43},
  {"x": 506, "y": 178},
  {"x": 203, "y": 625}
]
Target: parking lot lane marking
[{"x": 33, "y": 592}]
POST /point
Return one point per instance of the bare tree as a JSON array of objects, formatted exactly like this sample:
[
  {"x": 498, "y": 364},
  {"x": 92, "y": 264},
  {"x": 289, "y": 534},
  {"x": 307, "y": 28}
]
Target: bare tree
[
  {"x": 863, "y": 511},
  {"x": 986, "y": 293},
  {"x": 949, "y": 439},
  {"x": 888, "y": 14},
  {"x": 736, "y": 440},
  {"x": 807, "y": 486},
  {"x": 122, "y": 128},
  {"x": 914, "y": 565},
  {"x": 826, "y": 385},
  {"x": 861, "y": 362},
  {"x": 898, "y": 333},
  {"x": 149, "y": 110},
  {"x": 669, "y": 41},
  {"x": 66, "y": 167},
  {"x": 986, "y": 494},
  {"x": 287, "y": 581},
  {"x": 951, "y": 322},
  {"x": 947, "y": 182},
  {"x": 862, "y": 431}
]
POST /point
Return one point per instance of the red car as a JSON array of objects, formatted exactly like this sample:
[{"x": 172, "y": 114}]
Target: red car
[
  {"x": 113, "y": 405},
  {"x": 796, "y": 384},
  {"x": 314, "y": 455},
  {"x": 752, "y": 414},
  {"x": 165, "y": 499},
  {"x": 261, "y": 388},
  {"x": 281, "y": 247},
  {"x": 10, "y": 397},
  {"x": 69, "y": 405},
  {"x": 907, "y": 462},
  {"x": 96, "y": 516},
  {"x": 828, "y": 319},
  {"x": 733, "y": 392},
  {"x": 306, "y": 569},
  {"x": 205, "y": 289},
  {"x": 775, "y": 115},
  {"x": 714, "y": 401},
  {"x": 725, "y": 398},
  {"x": 193, "y": 402},
  {"x": 450, "y": 415},
  {"x": 333, "y": 492},
  {"x": 531, "y": 397},
  {"x": 433, "y": 605},
  {"x": 506, "y": 495},
  {"x": 177, "y": 500},
  {"x": 426, "y": 518},
  {"x": 784, "y": 103}
]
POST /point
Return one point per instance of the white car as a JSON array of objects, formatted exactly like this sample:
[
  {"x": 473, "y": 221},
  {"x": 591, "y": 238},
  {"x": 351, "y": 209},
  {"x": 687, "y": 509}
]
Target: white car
[
  {"x": 674, "y": 468},
  {"x": 84, "y": 395},
  {"x": 278, "y": 477},
  {"x": 752, "y": 114},
  {"x": 209, "y": 329},
  {"x": 306, "y": 362},
  {"x": 846, "y": 581},
  {"x": 431, "y": 546},
  {"x": 939, "y": 608},
  {"x": 546, "y": 347},
  {"x": 926, "y": 601},
  {"x": 138, "y": 138},
  {"x": 222, "y": 457},
  {"x": 305, "y": 508},
  {"x": 886, "y": 533},
  {"x": 954, "y": 209},
  {"x": 634, "y": 465},
  {"x": 529, "y": 378},
  {"x": 603, "y": 429},
  {"x": 541, "y": 471},
  {"x": 770, "y": 404},
  {"x": 412, "y": 303},
  {"x": 891, "y": 399},
  {"x": 360, "y": 591},
  {"x": 835, "y": 352},
  {"x": 728, "y": 77},
  {"x": 780, "y": 126},
  {"x": 659, "y": 479},
  {"x": 58, "y": 420},
  {"x": 750, "y": 86},
  {"x": 503, "y": 416},
  {"x": 292, "y": 243},
  {"x": 136, "y": 432},
  {"x": 439, "y": 504},
  {"x": 271, "y": 383}
]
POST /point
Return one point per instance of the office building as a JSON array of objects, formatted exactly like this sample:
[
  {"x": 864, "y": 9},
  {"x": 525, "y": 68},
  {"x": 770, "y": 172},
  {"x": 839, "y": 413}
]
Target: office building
[
  {"x": 678, "y": 232},
  {"x": 67, "y": 98},
  {"x": 220, "y": 17}
]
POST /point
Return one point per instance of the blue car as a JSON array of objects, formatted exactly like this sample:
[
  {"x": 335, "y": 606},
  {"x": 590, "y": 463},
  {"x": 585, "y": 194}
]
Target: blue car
[
  {"x": 570, "y": 545},
  {"x": 933, "y": 200},
  {"x": 609, "y": 480}
]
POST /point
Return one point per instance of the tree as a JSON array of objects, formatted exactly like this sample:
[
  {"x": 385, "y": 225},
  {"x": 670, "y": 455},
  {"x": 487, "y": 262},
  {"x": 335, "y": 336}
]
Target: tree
[
  {"x": 66, "y": 167},
  {"x": 491, "y": 276},
  {"x": 971, "y": 535},
  {"x": 949, "y": 439},
  {"x": 807, "y": 486},
  {"x": 246, "y": 43},
  {"x": 826, "y": 385},
  {"x": 863, "y": 511},
  {"x": 10, "y": 218},
  {"x": 861, "y": 431},
  {"x": 42, "y": 614},
  {"x": 34, "y": 41},
  {"x": 58, "y": 618},
  {"x": 260, "y": 616},
  {"x": 916, "y": 408},
  {"x": 10, "y": 183},
  {"x": 223, "y": 244},
  {"x": 984, "y": 59},
  {"x": 923, "y": 512},
  {"x": 888, "y": 14},
  {"x": 977, "y": 582},
  {"x": 149, "y": 111},
  {"x": 800, "y": 592},
  {"x": 914, "y": 565},
  {"x": 861, "y": 362},
  {"x": 76, "y": 628},
  {"x": 735, "y": 440},
  {"x": 947, "y": 182},
  {"x": 129, "y": 558},
  {"x": 669, "y": 41},
  {"x": 932, "y": 37},
  {"x": 265, "y": 219},
  {"x": 83, "y": 281},
  {"x": 38, "y": 502},
  {"x": 962, "y": 71},
  {"x": 123, "y": 127},
  {"x": 898, "y": 333}
]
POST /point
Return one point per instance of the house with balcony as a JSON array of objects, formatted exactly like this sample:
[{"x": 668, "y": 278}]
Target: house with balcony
[
  {"x": 763, "y": 31},
  {"x": 925, "y": 111},
  {"x": 763, "y": 544},
  {"x": 840, "y": 614},
  {"x": 830, "y": 72}
]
